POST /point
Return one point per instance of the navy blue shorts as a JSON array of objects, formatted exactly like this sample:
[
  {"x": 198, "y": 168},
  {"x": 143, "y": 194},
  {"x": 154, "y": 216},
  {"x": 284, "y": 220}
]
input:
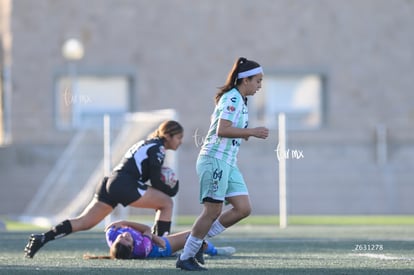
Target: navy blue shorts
[
  {"x": 119, "y": 188},
  {"x": 158, "y": 252}
]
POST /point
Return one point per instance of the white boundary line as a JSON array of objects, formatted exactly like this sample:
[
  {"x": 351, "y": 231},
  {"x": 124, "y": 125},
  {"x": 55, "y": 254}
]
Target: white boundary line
[{"x": 384, "y": 257}]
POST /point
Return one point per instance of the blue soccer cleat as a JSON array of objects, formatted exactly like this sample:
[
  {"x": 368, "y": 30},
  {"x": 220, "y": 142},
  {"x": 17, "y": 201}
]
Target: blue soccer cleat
[{"x": 200, "y": 254}]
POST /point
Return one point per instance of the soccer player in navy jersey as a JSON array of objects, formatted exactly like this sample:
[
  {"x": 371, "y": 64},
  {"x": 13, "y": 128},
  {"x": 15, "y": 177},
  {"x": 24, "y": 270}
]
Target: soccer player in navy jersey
[{"x": 135, "y": 182}]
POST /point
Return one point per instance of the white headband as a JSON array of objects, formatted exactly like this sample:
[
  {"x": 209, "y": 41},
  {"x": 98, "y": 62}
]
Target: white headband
[{"x": 251, "y": 72}]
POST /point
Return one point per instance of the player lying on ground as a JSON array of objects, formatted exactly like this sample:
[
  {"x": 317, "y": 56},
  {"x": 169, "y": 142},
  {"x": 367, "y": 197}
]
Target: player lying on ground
[
  {"x": 137, "y": 182},
  {"x": 131, "y": 240}
]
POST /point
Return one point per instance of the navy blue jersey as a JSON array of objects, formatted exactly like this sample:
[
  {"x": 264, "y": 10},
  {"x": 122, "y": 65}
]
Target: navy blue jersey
[{"x": 143, "y": 162}]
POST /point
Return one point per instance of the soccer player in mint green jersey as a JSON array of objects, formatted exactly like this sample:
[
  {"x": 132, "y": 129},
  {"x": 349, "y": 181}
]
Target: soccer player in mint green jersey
[{"x": 220, "y": 179}]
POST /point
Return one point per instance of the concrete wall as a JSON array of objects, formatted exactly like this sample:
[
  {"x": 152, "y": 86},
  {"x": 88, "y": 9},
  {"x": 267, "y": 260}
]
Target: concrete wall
[{"x": 179, "y": 52}]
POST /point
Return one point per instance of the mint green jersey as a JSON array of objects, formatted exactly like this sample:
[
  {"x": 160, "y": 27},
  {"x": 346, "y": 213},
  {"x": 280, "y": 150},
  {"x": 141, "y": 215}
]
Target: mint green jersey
[{"x": 231, "y": 107}]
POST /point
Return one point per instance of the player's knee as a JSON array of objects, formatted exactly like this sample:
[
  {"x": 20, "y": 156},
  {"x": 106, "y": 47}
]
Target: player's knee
[
  {"x": 214, "y": 215},
  {"x": 245, "y": 211},
  {"x": 167, "y": 203},
  {"x": 211, "y": 213}
]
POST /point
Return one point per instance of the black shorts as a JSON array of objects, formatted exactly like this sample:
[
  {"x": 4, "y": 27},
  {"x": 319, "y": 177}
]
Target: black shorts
[{"x": 119, "y": 188}]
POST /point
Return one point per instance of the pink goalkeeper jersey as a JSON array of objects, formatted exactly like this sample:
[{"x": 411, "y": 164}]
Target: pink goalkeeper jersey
[{"x": 142, "y": 245}]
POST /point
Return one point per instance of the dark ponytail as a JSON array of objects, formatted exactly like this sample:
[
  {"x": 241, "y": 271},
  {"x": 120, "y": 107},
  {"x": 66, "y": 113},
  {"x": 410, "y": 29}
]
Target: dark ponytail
[
  {"x": 241, "y": 65},
  {"x": 117, "y": 251}
]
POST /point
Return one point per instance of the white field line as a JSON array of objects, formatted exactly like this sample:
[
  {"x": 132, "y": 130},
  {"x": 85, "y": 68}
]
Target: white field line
[{"x": 384, "y": 257}]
